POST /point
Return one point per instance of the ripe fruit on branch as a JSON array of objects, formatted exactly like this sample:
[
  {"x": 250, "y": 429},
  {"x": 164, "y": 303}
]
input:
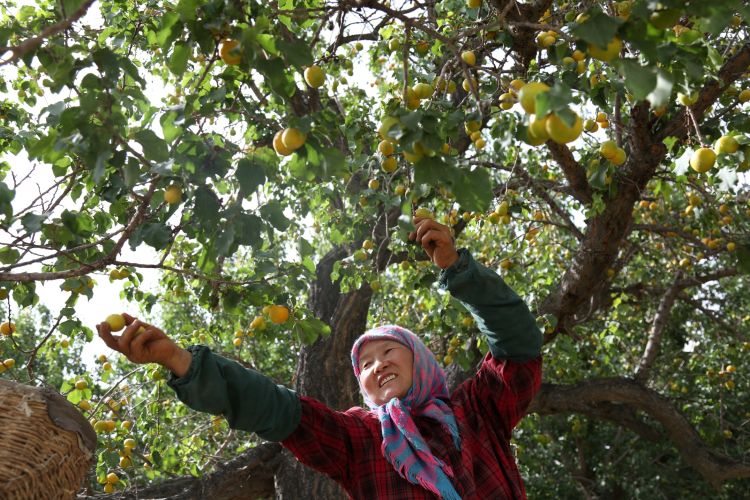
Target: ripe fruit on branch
[
  {"x": 230, "y": 52},
  {"x": 386, "y": 124},
  {"x": 173, "y": 194},
  {"x": 278, "y": 314},
  {"x": 527, "y": 95},
  {"x": 389, "y": 164},
  {"x": 423, "y": 213},
  {"x": 293, "y": 138},
  {"x": 386, "y": 148},
  {"x": 606, "y": 54},
  {"x": 726, "y": 145},
  {"x": 278, "y": 145},
  {"x": 538, "y": 128},
  {"x": 469, "y": 57},
  {"x": 560, "y": 132},
  {"x": 7, "y": 328},
  {"x": 315, "y": 76},
  {"x": 702, "y": 160},
  {"x": 608, "y": 149},
  {"x": 687, "y": 100},
  {"x": 116, "y": 322},
  {"x": 619, "y": 157}
]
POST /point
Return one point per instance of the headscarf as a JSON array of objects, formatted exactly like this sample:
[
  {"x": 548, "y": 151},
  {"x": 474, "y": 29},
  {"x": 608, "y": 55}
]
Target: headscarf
[{"x": 403, "y": 445}]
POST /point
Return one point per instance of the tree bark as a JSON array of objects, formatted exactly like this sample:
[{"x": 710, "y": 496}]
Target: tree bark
[
  {"x": 249, "y": 475},
  {"x": 324, "y": 372}
]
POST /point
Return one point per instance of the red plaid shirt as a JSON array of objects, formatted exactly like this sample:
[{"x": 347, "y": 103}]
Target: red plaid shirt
[{"x": 346, "y": 445}]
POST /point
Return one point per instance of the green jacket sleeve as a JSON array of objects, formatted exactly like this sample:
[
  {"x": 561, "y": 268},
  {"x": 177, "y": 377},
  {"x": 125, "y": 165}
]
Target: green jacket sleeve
[
  {"x": 248, "y": 400},
  {"x": 498, "y": 311}
]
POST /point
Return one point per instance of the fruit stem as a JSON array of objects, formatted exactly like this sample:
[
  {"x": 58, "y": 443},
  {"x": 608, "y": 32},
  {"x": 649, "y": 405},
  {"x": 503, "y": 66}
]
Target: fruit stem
[
  {"x": 407, "y": 36},
  {"x": 695, "y": 126}
]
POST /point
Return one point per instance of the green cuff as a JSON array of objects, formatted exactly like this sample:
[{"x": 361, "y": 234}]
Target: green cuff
[
  {"x": 248, "y": 400},
  {"x": 499, "y": 312}
]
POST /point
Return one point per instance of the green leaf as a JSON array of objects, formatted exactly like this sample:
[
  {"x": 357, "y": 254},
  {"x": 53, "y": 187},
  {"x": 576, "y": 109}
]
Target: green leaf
[
  {"x": 207, "y": 206},
  {"x": 296, "y": 51},
  {"x": 25, "y": 294},
  {"x": 249, "y": 228},
  {"x": 169, "y": 121},
  {"x": 6, "y": 196},
  {"x": 168, "y": 30},
  {"x": 273, "y": 212},
  {"x": 179, "y": 59},
  {"x": 267, "y": 43},
  {"x": 640, "y": 80},
  {"x": 156, "y": 235},
  {"x": 9, "y": 255},
  {"x": 32, "y": 222},
  {"x": 69, "y": 7},
  {"x": 333, "y": 162},
  {"x": 250, "y": 175},
  {"x": 273, "y": 70},
  {"x": 473, "y": 189},
  {"x": 598, "y": 29},
  {"x": 154, "y": 148},
  {"x": 225, "y": 240},
  {"x": 433, "y": 171}
]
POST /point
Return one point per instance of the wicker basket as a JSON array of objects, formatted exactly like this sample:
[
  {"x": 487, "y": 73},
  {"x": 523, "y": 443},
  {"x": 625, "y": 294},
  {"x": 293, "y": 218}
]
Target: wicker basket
[{"x": 46, "y": 445}]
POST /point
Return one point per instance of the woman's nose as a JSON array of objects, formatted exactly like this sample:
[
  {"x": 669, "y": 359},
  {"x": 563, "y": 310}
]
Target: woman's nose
[{"x": 380, "y": 365}]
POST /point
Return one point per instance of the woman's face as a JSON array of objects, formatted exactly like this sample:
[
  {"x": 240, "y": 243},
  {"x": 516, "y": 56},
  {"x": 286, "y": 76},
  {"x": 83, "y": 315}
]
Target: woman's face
[{"x": 385, "y": 370}]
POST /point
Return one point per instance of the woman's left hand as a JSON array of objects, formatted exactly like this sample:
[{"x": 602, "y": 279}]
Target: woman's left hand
[{"x": 437, "y": 240}]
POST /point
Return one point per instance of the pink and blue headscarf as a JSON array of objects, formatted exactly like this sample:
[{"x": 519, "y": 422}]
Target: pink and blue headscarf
[{"x": 403, "y": 444}]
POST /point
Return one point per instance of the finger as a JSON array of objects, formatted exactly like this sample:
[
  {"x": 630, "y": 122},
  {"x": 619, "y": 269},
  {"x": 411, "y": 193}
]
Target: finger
[
  {"x": 434, "y": 238},
  {"x": 128, "y": 318},
  {"x": 130, "y": 332},
  {"x": 430, "y": 225},
  {"x": 140, "y": 341},
  {"x": 106, "y": 335}
]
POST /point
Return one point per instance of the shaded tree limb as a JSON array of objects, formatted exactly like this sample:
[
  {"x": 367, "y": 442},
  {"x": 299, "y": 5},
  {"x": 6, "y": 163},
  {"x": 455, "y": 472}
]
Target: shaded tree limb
[
  {"x": 657, "y": 327},
  {"x": 573, "y": 171},
  {"x": 714, "y": 467},
  {"x": 249, "y": 475}
]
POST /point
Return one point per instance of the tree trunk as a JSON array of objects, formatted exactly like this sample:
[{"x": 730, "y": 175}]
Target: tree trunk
[{"x": 324, "y": 372}]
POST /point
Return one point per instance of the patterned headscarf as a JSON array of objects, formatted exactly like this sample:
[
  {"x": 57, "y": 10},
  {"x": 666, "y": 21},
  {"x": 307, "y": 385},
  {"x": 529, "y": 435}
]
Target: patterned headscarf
[{"x": 403, "y": 444}]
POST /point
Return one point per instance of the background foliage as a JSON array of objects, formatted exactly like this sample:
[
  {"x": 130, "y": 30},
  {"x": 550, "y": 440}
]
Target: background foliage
[{"x": 110, "y": 103}]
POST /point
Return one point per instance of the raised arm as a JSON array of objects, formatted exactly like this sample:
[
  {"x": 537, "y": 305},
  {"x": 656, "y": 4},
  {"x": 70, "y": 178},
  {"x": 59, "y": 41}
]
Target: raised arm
[{"x": 499, "y": 312}]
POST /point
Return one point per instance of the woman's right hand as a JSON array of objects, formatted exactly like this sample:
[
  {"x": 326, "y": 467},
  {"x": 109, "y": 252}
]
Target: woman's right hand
[{"x": 144, "y": 343}]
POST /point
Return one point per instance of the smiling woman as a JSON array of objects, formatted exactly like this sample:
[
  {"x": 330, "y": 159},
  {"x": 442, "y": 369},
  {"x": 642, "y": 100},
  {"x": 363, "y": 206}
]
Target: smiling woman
[
  {"x": 385, "y": 369},
  {"x": 417, "y": 440}
]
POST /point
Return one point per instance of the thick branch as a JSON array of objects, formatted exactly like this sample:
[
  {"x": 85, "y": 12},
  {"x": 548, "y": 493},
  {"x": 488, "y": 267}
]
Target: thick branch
[
  {"x": 657, "y": 327},
  {"x": 575, "y": 174},
  {"x": 249, "y": 475},
  {"x": 713, "y": 466}
]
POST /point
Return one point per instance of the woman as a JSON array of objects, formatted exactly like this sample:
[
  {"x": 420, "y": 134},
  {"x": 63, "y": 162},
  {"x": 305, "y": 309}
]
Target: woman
[{"x": 417, "y": 440}]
